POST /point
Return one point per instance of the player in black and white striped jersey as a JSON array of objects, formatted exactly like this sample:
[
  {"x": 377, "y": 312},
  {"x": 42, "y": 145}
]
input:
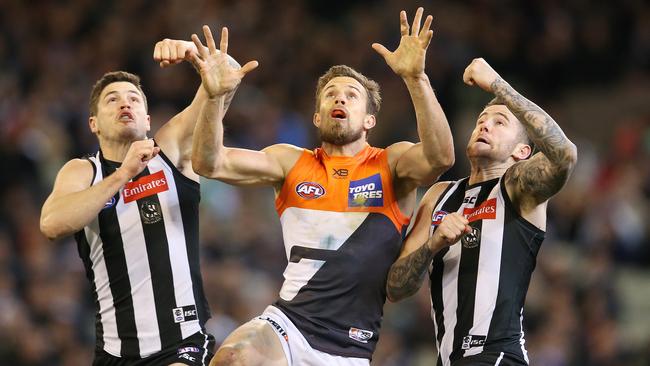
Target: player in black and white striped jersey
[
  {"x": 479, "y": 236},
  {"x": 133, "y": 208}
]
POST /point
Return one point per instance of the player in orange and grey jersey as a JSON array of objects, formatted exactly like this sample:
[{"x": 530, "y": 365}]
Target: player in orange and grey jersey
[{"x": 343, "y": 207}]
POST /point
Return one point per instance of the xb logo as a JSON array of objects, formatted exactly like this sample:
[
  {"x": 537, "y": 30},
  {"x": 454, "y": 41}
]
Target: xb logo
[{"x": 340, "y": 173}]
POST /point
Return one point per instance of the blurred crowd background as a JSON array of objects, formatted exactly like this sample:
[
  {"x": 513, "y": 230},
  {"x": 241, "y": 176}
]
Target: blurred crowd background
[{"x": 585, "y": 62}]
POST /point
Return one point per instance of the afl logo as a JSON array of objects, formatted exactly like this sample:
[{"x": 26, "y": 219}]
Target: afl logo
[
  {"x": 310, "y": 190},
  {"x": 437, "y": 217}
]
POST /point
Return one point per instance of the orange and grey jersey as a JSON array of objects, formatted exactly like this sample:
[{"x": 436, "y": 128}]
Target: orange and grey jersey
[
  {"x": 342, "y": 231},
  {"x": 478, "y": 285},
  {"x": 141, "y": 255}
]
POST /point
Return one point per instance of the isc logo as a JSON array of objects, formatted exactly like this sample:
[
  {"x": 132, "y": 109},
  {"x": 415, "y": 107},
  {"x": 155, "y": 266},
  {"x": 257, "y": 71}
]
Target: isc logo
[{"x": 310, "y": 190}]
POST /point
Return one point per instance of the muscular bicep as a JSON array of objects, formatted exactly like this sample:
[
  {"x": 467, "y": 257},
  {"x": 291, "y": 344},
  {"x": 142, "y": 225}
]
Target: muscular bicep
[
  {"x": 249, "y": 167},
  {"x": 412, "y": 168},
  {"x": 533, "y": 181}
]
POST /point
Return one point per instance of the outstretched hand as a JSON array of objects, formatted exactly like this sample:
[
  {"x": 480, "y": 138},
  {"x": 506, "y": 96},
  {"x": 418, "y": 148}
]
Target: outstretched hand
[
  {"x": 409, "y": 57},
  {"x": 218, "y": 75}
]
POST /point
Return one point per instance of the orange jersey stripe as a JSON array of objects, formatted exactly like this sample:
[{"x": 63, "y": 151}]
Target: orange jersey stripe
[{"x": 360, "y": 183}]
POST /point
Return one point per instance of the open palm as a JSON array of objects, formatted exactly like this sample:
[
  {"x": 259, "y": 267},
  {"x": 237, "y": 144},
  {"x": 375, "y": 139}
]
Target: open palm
[
  {"x": 409, "y": 57},
  {"x": 218, "y": 75}
]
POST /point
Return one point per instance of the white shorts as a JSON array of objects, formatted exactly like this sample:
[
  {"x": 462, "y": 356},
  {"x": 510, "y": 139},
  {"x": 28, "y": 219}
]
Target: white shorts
[{"x": 297, "y": 349}]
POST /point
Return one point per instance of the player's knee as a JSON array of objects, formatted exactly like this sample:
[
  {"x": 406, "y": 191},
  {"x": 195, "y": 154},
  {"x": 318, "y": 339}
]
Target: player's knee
[{"x": 234, "y": 354}]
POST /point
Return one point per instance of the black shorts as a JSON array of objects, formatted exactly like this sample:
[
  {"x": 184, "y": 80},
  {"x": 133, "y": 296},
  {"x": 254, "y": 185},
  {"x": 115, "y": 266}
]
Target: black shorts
[
  {"x": 190, "y": 351},
  {"x": 491, "y": 358}
]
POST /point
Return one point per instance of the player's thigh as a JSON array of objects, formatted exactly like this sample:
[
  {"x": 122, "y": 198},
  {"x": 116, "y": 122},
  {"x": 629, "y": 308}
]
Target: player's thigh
[{"x": 254, "y": 343}]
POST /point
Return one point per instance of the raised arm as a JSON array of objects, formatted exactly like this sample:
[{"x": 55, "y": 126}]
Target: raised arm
[
  {"x": 175, "y": 136},
  {"x": 425, "y": 161},
  {"x": 210, "y": 158},
  {"x": 406, "y": 274},
  {"x": 533, "y": 181},
  {"x": 73, "y": 202}
]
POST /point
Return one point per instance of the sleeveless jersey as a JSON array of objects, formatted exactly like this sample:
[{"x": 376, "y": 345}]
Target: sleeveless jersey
[
  {"x": 141, "y": 255},
  {"x": 342, "y": 231},
  {"x": 478, "y": 285}
]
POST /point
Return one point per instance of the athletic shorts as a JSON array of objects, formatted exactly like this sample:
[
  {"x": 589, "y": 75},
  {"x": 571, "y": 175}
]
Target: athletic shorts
[
  {"x": 491, "y": 358},
  {"x": 297, "y": 349},
  {"x": 195, "y": 350}
]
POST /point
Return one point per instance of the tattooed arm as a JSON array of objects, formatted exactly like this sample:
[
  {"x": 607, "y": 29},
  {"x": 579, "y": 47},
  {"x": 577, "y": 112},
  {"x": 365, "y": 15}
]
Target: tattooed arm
[
  {"x": 529, "y": 182},
  {"x": 406, "y": 274}
]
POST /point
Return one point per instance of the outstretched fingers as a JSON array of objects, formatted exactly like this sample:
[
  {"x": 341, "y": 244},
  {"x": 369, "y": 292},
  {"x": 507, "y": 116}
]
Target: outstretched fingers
[
  {"x": 383, "y": 51},
  {"x": 207, "y": 33},
  {"x": 403, "y": 23},
  {"x": 202, "y": 53},
  {"x": 415, "y": 27},
  {"x": 250, "y": 66}
]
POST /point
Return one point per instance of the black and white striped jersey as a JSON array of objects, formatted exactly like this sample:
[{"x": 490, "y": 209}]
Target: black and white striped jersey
[
  {"x": 478, "y": 285},
  {"x": 141, "y": 255}
]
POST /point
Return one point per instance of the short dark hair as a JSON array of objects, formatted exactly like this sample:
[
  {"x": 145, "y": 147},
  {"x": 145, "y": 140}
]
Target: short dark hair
[
  {"x": 371, "y": 86},
  {"x": 525, "y": 138},
  {"x": 109, "y": 78}
]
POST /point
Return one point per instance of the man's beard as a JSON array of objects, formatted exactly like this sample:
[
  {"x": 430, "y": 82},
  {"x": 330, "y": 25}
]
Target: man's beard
[{"x": 339, "y": 135}]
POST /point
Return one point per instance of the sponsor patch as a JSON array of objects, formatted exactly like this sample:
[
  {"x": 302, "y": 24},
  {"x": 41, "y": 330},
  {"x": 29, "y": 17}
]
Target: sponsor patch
[
  {"x": 110, "y": 203},
  {"x": 437, "y": 217},
  {"x": 189, "y": 349},
  {"x": 470, "y": 199},
  {"x": 486, "y": 211},
  {"x": 187, "y": 357},
  {"x": 277, "y": 327},
  {"x": 471, "y": 240},
  {"x": 310, "y": 190},
  {"x": 150, "y": 212},
  {"x": 360, "y": 335},
  {"x": 470, "y": 341},
  {"x": 366, "y": 192},
  {"x": 145, "y": 186},
  {"x": 185, "y": 314}
]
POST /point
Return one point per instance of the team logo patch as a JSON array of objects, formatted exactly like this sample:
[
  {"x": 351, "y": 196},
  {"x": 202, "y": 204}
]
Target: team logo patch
[
  {"x": 185, "y": 314},
  {"x": 437, "y": 217},
  {"x": 360, "y": 335},
  {"x": 486, "y": 211},
  {"x": 145, "y": 187},
  {"x": 470, "y": 341},
  {"x": 277, "y": 327},
  {"x": 471, "y": 240},
  {"x": 189, "y": 349},
  {"x": 150, "y": 212},
  {"x": 310, "y": 190},
  {"x": 110, "y": 203},
  {"x": 366, "y": 192}
]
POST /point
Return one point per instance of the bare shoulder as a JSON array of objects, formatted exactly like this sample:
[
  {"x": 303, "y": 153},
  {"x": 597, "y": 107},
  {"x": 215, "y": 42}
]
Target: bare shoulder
[
  {"x": 286, "y": 154},
  {"x": 76, "y": 174},
  {"x": 433, "y": 193},
  {"x": 396, "y": 150}
]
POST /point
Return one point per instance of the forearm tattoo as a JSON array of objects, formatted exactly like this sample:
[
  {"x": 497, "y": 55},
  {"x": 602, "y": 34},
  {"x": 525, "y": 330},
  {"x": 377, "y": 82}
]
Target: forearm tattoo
[
  {"x": 406, "y": 274},
  {"x": 541, "y": 176},
  {"x": 542, "y": 129}
]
